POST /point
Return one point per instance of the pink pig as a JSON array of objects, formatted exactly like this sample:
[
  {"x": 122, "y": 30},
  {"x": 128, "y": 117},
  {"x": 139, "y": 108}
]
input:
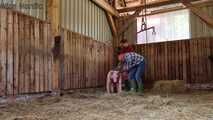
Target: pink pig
[{"x": 114, "y": 82}]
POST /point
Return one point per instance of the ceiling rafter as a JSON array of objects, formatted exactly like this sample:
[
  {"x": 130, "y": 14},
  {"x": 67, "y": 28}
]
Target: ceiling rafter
[
  {"x": 202, "y": 15},
  {"x": 153, "y": 4},
  {"x": 170, "y": 9},
  {"x": 107, "y": 7}
]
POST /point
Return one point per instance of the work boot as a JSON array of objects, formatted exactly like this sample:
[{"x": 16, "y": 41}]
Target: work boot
[
  {"x": 126, "y": 85},
  {"x": 140, "y": 88},
  {"x": 132, "y": 86}
]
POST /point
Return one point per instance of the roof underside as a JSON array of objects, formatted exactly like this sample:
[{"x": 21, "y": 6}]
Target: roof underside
[{"x": 132, "y": 5}]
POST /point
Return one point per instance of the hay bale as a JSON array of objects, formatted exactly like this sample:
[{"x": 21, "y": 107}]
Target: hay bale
[{"x": 169, "y": 86}]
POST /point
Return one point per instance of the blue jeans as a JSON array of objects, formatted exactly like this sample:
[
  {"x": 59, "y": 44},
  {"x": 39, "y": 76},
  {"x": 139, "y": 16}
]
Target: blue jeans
[{"x": 136, "y": 73}]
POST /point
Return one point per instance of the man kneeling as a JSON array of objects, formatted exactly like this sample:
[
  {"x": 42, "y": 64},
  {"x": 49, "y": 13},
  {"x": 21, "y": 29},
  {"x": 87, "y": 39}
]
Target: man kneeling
[{"x": 114, "y": 82}]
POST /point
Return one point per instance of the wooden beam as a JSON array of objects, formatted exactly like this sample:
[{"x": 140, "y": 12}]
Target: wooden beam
[
  {"x": 124, "y": 1},
  {"x": 53, "y": 15},
  {"x": 136, "y": 14},
  {"x": 132, "y": 17},
  {"x": 165, "y": 10},
  {"x": 202, "y": 15},
  {"x": 133, "y": 1},
  {"x": 112, "y": 24},
  {"x": 130, "y": 20},
  {"x": 150, "y": 5},
  {"x": 126, "y": 26},
  {"x": 106, "y": 6}
]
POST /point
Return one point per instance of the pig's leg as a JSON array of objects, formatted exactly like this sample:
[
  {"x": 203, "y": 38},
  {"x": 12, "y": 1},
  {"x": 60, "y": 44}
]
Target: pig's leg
[
  {"x": 119, "y": 86},
  {"x": 108, "y": 84},
  {"x": 112, "y": 88}
]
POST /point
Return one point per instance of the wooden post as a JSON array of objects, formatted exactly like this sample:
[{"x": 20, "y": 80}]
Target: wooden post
[{"x": 53, "y": 16}]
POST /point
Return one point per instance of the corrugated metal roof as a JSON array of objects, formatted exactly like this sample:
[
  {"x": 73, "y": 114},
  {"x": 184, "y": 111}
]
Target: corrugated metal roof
[{"x": 83, "y": 16}]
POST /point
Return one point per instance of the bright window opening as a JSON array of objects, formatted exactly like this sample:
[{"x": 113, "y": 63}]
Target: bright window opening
[{"x": 168, "y": 27}]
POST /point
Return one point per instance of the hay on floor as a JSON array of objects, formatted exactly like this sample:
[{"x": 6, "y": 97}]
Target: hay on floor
[{"x": 169, "y": 86}]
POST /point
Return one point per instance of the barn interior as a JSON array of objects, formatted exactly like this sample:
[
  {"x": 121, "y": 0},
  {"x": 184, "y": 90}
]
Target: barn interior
[{"x": 55, "y": 56}]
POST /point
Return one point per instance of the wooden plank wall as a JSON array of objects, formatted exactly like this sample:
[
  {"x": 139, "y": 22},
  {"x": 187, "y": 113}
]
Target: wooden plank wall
[
  {"x": 86, "y": 61},
  {"x": 25, "y": 54},
  {"x": 27, "y": 61},
  {"x": 178, "y": 60}
]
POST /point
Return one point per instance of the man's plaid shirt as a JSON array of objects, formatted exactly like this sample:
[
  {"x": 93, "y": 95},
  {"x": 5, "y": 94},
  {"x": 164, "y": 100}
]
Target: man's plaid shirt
[{"x": 131, "y": 60}]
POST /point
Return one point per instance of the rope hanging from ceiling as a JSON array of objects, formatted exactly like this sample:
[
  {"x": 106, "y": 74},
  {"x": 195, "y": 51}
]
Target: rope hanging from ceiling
[{"x": 144, "y": 27}]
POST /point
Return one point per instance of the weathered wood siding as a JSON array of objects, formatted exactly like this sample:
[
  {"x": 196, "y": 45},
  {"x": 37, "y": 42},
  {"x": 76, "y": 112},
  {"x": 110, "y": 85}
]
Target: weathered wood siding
[
  {"x": 178, "y": 60},
  {"x": 86, "y": 61},
  {"x": 25, "y": 54},
  {"x": 27, "y": 63}
]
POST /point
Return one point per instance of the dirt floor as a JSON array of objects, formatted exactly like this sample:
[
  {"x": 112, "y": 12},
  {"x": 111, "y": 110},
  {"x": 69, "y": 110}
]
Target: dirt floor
[{"x": 100, "y": 106}]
